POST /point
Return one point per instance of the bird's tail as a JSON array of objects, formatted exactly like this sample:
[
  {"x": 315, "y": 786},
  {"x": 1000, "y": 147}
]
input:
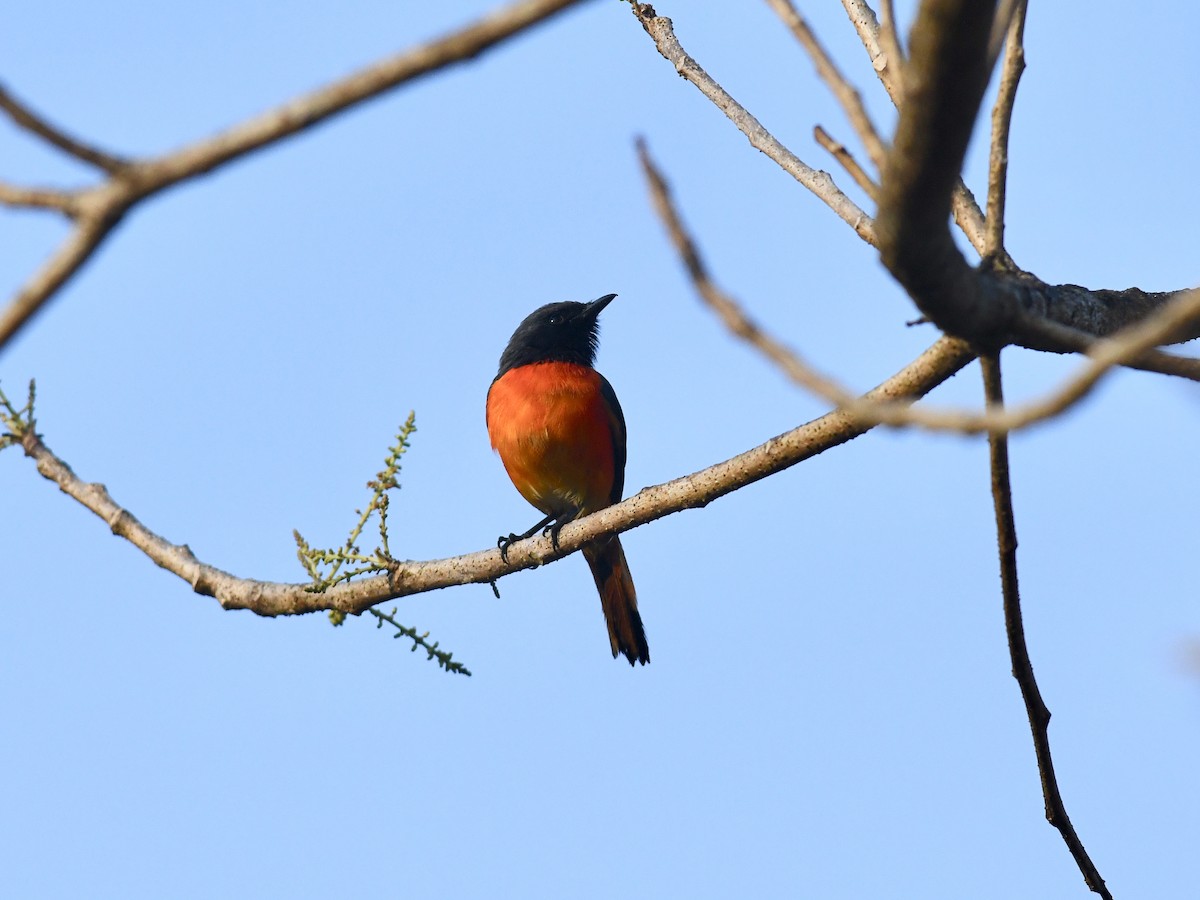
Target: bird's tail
[{"x": 606, "y": 559}]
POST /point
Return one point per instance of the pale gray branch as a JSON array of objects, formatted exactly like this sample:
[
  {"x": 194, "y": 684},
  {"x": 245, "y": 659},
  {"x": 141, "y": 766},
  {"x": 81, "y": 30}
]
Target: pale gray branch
[
  {"x": 889, "y": 68},
  {"x": 820, "y": 183},
  {"x": 847, "y": 96},
  {"x": 1010, "y": 77}
]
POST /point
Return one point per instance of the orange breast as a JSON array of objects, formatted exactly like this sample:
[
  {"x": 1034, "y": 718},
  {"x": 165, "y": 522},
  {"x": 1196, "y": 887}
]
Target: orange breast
[{"x": 553, "y": 430}]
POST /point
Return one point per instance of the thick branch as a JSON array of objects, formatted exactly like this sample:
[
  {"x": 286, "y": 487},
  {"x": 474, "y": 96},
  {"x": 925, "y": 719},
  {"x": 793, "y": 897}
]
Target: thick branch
[
  {"x": 944, "y": 84},
  {"x": 1022, "y": 667},
  {"x": 926, "y": 372},
  {"x": 1130, "y": 347},
  {"x": 131, "y": 182}
]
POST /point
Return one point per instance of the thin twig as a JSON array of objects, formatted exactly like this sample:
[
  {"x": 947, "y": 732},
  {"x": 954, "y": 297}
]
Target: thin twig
[
  {"x": 839, "y": 152},
  {"x": 37, "y": 198},
  {"x": 967, "y": 214},
  {"x": 845, "y": 93},
  {"x": 820, "y": 183},
  {"x": 1006, "y": 10},
  {"x": 25, "y": 117},
  {"x": 890, "y": 39},
  {"x": 1010, "y": 77},
  {"x": 88, "y": 234},
  {"x": 1022, "y": 668}
]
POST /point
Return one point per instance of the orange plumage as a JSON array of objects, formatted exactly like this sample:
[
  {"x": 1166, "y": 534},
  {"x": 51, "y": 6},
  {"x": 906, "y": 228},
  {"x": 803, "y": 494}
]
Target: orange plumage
[{"x": 560, "y": 432}]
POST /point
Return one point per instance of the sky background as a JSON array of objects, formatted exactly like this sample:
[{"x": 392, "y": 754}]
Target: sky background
[{"x": 829, "y": 712}]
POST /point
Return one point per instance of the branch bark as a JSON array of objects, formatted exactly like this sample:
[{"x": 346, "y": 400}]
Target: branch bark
[
  {"x": 1022, "y": 667},
  {"x": 931, "y": 368},
  {"x": 820, "y": 183},
  {"x": 988, "y": 306}
]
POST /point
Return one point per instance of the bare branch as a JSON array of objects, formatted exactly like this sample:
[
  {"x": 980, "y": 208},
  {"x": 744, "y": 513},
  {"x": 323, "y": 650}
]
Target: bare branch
[
  {"x": 1063, "y": 336},
  {"x": 1127, "y": 348},
  {"x": 1022, "y": 667},
  {"x": 37, "y": 198},
  {"x": 925, "y": 373},
  {"x": 845, "y": 93},
  {"x": 862, "y": 17},
  {"x": 890, "y": 38},
  {"x": 131, "y": 182},
  {"x": 839, "y": 152},
  {"x": 89, "y": 232},
  {"x": 25, "y": 117},
  {"x": 1010, "y": 77},
  {"x": 967, "y": 214},
  {"x": 947, "y": 75},
  {"x": 820, "y": 183}
]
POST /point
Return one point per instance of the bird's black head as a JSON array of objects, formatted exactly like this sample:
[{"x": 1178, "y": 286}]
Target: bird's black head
[{"x": 557, "y": 332}]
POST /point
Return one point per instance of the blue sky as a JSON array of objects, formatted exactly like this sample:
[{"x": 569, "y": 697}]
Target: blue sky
[{"x": 829, "y": 712}]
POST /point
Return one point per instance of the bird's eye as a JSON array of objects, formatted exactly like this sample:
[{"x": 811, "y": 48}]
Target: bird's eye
[{"x": 555, "y": 319}]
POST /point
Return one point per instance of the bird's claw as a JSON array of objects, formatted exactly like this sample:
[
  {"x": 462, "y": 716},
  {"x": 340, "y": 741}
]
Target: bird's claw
[{"x": 504, "y": 543}]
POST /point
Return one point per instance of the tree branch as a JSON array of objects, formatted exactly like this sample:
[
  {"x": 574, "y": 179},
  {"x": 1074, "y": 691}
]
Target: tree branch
[
  {"x": 1128, "y": 348},
  {"x": 1014, "y": 65},
  {"x": 131, "y": 182},
  {"x": 1022, "y": 667},
  {"x": 838, "y": 151},
  {"x": 930, "y": 369},
  {"x": 820, "y": 183},
  {"x": 848, "y": 98},
  {"x": 945, "y": 81},
  {"x": 889, "y": 66},
  {"x": 26, "y": 118}
]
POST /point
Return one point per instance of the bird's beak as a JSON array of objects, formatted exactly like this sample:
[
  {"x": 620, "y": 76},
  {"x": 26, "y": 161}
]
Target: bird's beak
[{"x": 592, "y": 310}]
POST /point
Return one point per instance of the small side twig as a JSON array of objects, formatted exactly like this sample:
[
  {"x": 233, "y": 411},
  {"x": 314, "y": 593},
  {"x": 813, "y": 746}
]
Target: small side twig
[
  {"x": 967, "y": 214},
  {"x": 838, "y": 151},
  {"x": 36, "y": 124},
  {"x": 37, "y": 198},
  {"x": 889, "y": 36},
  {"x": 847, "y": 96},
  {"x": 1022, "y": 667}
]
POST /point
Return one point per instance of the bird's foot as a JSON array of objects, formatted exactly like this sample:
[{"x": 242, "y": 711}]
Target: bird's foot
[{"x": 505, "y": 542}]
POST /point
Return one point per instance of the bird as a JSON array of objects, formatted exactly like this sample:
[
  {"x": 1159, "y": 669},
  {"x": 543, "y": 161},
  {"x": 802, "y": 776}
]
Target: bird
[{"x": 560, "y": 433}]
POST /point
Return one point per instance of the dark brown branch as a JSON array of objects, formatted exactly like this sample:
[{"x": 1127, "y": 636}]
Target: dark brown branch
[
  {"x": 930, "y": 369},
  {"x": 944, "y": 84},
  {"x": 1022, "y": 668}
]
